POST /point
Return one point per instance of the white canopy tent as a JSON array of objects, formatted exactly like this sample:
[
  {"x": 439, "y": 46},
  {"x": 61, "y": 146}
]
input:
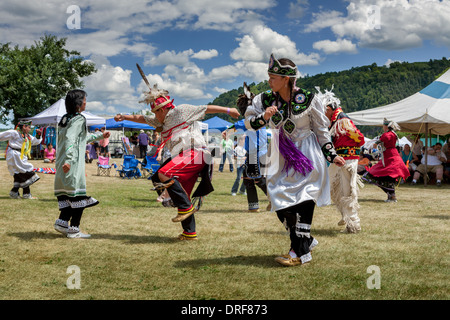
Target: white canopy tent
[
  {"x": 427, "y": 111},
  {"x": 53, "y": 114}
]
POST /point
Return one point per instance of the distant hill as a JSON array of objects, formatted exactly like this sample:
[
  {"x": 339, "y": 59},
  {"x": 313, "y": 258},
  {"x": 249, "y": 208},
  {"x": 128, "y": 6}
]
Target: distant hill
[{"x": 361, "y": 88}]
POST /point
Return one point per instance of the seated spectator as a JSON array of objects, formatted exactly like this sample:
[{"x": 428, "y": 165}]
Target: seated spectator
[
  {"x": 49, "y": 154},
  {"x": 434, "y": 159},
  {"x": 446, "y": 151},
  {"x": 438, "y": 148},
  {"x": 417, "y": 149},
  {"x": 409, "y": 158}
]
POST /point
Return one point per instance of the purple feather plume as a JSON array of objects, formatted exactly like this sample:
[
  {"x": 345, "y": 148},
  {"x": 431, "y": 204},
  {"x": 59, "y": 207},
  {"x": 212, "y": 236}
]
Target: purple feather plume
[{"x": 293, "y": 157}]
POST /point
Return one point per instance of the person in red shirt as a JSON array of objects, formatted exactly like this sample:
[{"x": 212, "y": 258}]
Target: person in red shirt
[
  {"x": 345, "y": 181},
  {"x": 391, "y": 167}
]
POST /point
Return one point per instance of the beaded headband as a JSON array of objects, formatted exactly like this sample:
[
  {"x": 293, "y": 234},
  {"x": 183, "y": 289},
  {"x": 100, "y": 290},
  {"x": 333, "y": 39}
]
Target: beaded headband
[{"x": 275, "y": 67}]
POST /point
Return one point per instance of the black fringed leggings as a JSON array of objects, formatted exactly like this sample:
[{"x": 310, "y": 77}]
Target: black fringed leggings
[{"x": 297, "y": 220}]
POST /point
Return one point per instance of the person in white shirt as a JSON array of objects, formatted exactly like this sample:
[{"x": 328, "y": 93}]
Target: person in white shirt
[
  {"x": 434, "y": 159},
  {"x": 17, "y": 154},
  {"x": 239, "y": 153}
]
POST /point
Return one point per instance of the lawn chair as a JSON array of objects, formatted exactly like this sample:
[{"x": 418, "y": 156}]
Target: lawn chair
[
  {"x": 149, "y": 166},
  {"x": 103, "y": 166},
  {"x": 129, "y": 167}
]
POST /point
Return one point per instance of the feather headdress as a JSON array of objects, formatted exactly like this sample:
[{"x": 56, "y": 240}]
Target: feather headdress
[
  {"x": 328, "y": 98},
  {"x": 153, "y": 94},
  {"x": 155, "y": 97},
  {"x": 392, "y": 125}
]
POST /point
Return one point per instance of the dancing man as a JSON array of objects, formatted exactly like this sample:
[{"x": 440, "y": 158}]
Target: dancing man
[
  {"x": 345, "y": 181},
  {"x": 181, "y": 134}
]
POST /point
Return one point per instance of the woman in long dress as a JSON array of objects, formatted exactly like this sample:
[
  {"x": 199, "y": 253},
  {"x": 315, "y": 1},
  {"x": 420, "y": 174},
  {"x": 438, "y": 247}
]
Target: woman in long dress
[
  {"x": 391, "y": 167},
  {"x": 297, "y": 177},
  {"x": 70, "y": 177}
]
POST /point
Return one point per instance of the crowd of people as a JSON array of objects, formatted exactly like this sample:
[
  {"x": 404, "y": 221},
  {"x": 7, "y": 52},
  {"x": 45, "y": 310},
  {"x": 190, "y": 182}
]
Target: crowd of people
[{"x": 315, "y": 157}]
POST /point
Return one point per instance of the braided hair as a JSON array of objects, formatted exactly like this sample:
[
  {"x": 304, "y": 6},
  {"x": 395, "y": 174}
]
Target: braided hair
[{"x": 74, "y": 100}]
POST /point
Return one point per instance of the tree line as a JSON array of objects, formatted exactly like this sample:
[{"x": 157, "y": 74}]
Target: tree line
[
  {"x": 32, "y": 79},
  {"x": 360, "y": 88}
]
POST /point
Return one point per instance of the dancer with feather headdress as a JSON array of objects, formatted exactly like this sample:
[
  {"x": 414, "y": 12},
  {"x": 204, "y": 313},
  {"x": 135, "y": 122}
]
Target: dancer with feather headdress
[
  {"x": 181, "y": 134},
  {"x": 345, "y": 181}
]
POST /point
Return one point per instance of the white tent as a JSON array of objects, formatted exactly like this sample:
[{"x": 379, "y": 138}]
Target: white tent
[
  {"x": 427, "y": 111},
  {"x": 53, "y": 114}
]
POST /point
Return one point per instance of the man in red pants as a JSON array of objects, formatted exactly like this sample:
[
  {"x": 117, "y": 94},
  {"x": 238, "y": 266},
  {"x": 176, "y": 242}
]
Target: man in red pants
[{"x": 181, "y": 134}]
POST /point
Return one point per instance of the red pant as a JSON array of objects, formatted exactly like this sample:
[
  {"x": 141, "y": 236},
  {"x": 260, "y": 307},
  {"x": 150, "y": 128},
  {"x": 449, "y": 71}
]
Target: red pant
[{"x": 186, "y": 167}]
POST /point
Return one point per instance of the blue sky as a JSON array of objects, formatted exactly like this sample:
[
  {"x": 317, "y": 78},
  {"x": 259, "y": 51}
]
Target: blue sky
[{"x": 198, "y": 49}]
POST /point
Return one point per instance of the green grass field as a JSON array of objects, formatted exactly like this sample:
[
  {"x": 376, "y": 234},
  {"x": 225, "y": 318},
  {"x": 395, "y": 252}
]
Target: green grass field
[{"x": 134, "y": 255}]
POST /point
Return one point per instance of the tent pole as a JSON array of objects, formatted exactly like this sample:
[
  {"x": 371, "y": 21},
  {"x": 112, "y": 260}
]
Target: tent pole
[{"x": 425, "y": 177}]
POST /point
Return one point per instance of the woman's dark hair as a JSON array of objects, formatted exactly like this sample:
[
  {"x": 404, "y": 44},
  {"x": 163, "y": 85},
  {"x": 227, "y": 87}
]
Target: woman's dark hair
[
  {"x": 285, "y": 61},
  {"x": 74, "y": 100}
]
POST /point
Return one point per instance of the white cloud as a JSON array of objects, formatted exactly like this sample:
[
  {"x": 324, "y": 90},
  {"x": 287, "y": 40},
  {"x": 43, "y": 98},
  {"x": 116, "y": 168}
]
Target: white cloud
[
  {"x": 298, "y": 9},
  {"x": 256, "y": 71},
  {"x": 186, "y": 83},
  {"x": 183, "y": 58},
  {"x": 389, "y": 25},
  {"x": 262, "y": 41},
  {"x": 205, "y": 54},
  {"x": 221, "y": 15},
  {"x": 220, "y": 90},
  {"x": 338, "y": 46},
  {"x": 110, "y": 87},
  {"x": 170, "y": 57},
  {"x": 390, "y": 61}
]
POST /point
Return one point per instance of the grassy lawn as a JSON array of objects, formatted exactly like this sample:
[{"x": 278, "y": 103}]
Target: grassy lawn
[{"x": 134, "y": 255}]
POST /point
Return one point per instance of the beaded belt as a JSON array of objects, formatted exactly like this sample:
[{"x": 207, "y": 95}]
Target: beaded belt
[{"x": 348, "y": 151}]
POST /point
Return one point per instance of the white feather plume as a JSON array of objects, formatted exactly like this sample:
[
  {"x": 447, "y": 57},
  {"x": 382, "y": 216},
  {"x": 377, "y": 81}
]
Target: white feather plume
[
  {"x": 328, "y": 98},
  {"x": 153, "y": 94}
]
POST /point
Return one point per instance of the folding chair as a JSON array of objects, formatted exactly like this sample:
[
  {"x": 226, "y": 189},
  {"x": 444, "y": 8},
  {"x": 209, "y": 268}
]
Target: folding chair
[
  {"x": 129, "y": 167},
  {"x": 149, "y": 166},
  {"x": 103, "y": 166}
]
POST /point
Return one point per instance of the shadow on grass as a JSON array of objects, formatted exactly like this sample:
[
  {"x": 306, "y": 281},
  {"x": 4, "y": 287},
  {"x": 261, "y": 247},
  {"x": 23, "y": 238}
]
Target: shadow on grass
[
  {"x": 314, "y": 232},
  {"x": 206, "y": 264},
  {"x": 130, "y": 239},
  {"x": 436, "y": 216},
  {"x": 370, "y": 200},
  {"x": 38, "y": 199}
]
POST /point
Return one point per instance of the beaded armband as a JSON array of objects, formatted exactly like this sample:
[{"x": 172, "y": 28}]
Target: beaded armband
[
  {"x": 258, "y": 122},
  {"x": 329, "y": 152}
]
